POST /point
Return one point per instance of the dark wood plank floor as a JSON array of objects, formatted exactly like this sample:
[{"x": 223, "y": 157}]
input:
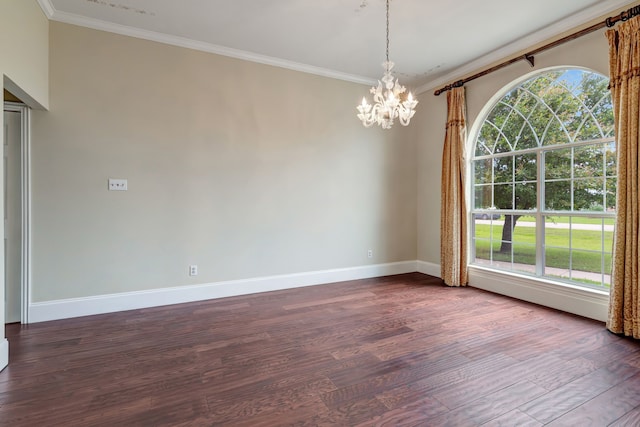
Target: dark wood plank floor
[{"x": 396, "y": 351}]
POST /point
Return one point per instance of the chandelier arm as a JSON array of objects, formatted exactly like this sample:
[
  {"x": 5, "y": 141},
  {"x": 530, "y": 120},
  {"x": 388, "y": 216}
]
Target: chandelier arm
[
  {"x": 375, "y": 114},
  {"x": 378, "y": 96},
  {"x": 367, "y": 118},
  {"x": 405, "y": 114}
]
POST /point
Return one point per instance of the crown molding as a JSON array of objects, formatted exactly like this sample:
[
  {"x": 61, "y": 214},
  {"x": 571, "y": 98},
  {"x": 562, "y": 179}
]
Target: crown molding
[
  {"x": 575, "y": 20},
  {"x": 47, "y": 8},
  {"x": 96, "y": 24},
  {"x": 520, "y": 45}
]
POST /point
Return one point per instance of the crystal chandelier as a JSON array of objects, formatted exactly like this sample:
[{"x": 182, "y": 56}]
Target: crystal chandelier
[{"x": 388, "y": 99}]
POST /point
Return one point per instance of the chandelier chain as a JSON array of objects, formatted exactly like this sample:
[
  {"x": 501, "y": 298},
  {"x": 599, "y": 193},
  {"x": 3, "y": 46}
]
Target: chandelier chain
[{"x": 387, "y": 30}]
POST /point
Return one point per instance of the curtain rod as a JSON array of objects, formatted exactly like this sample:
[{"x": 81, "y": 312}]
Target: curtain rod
[{"x": 609, "y": 22}]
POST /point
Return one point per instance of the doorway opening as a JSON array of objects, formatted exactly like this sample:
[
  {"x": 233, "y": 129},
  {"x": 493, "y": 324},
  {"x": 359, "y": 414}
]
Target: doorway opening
[{"x": 16, "y": 158}]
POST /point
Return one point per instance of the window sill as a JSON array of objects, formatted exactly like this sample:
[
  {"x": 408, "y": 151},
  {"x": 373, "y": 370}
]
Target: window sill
[{"x": 591, "y": 303}]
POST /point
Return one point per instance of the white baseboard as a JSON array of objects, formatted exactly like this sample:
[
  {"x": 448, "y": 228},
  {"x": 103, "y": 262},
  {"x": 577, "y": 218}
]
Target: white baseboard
[
  {"x": 588, "y": 303},
  {"x": 583, "y": 302},
  {"x": 429, "y": 268},
  {"x": 76, "y": 307},
  {"x": 4, "y": 353}
]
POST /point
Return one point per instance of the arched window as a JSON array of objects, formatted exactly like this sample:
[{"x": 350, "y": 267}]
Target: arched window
[{"x": 544, "y": 178}]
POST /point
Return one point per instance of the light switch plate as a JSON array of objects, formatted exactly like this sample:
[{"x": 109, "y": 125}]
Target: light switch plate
[{"x": 117, "y": 184}]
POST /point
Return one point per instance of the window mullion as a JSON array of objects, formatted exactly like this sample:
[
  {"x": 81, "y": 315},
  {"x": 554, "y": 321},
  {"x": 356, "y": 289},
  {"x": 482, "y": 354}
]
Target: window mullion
[
  {"x": 513, "y": 206},
  {"x": 540, "y": 238},
  {"x": 572, "y": 186}
]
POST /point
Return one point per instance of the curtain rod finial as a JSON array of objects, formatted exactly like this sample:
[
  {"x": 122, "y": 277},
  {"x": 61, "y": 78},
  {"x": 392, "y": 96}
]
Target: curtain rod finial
[{"x": 530, "y": 59}]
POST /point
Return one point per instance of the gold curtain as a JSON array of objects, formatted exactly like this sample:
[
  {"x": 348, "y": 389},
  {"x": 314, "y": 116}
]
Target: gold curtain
[
  {"x": 453, "y": 222},
  {"x": 624, "y": 64}
]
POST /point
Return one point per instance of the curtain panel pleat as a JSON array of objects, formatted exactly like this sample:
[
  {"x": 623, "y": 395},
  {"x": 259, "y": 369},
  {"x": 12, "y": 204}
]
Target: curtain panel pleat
[
  {"x": 624, "y": 65},
  {"x": 453, "y": 222}
]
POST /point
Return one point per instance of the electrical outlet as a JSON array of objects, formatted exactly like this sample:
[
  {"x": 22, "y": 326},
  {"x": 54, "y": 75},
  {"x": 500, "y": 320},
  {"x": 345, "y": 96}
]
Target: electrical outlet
[
  {"x": 117, "y": 184},
  {"x": 370, "y": 253},
  {"x": 193, "y": 270}
]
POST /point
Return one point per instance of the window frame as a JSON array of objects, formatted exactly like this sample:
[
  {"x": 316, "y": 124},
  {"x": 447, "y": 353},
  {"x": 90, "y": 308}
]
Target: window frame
[{"x": 540, "y": 213}]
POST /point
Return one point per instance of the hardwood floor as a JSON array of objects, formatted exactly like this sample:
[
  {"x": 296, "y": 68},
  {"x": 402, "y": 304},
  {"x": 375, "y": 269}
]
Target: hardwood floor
[{"x": 395, "y": 351}]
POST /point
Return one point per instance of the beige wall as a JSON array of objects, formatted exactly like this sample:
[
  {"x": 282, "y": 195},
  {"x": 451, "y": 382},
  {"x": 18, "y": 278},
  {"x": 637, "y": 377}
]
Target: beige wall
[
  {"x": 590, "y": 51},
  {"x": 244, "y": 169},
  {"x": 24, "y": 51}
]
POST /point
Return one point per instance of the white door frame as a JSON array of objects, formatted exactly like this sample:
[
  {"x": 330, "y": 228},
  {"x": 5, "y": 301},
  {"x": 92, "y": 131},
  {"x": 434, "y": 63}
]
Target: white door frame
[{"x": 25, "y": 196}]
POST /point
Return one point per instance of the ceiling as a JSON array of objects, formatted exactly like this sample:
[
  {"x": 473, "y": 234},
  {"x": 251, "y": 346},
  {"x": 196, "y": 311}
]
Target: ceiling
[{"x": 432, "y": 42}]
